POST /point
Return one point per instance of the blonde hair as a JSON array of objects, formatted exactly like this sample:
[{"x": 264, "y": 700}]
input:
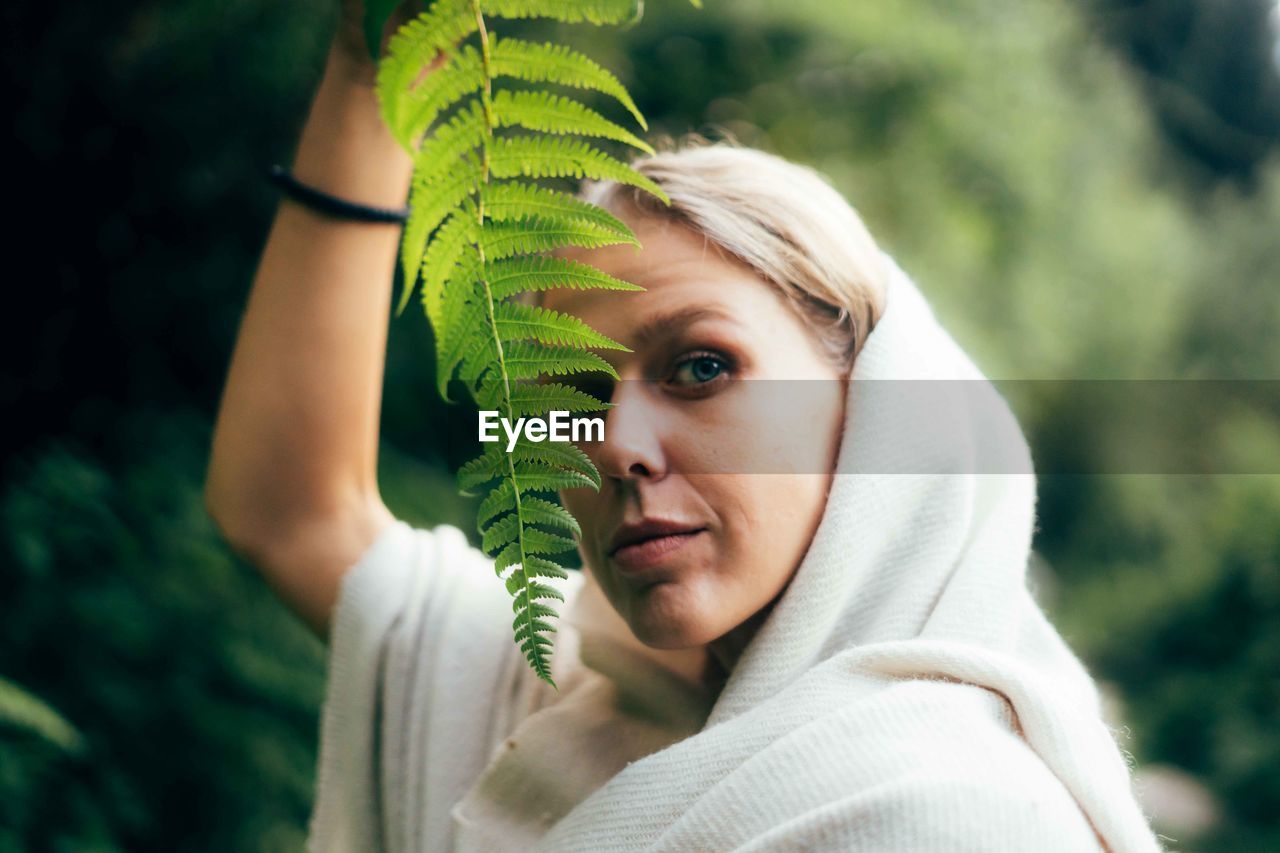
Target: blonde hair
[{"x": 782, "y": 219}]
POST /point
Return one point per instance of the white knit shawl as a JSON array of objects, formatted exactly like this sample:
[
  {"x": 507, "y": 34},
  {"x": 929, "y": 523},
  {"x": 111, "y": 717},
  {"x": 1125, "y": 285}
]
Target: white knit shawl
[{"x": 905, "y": 693}]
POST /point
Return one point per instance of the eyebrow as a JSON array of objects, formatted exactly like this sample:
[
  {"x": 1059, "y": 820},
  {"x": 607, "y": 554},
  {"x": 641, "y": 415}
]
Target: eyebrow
[{"x": 668, "y": 323}]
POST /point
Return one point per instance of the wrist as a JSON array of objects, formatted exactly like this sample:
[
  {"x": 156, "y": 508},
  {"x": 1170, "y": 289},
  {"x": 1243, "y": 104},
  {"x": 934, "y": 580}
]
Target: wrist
[{"x": 346, "y": 148}]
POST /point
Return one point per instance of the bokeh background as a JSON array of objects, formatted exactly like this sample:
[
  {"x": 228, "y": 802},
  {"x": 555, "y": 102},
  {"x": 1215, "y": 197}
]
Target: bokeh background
[{"x": 1085, "y": 189}]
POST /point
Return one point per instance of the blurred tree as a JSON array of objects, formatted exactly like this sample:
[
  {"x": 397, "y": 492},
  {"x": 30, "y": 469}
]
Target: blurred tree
[{"x": 1210, "y": 73}]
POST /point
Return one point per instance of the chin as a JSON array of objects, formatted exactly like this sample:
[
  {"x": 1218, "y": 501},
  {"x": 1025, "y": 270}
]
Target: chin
[{"x": 661, "y": 622}]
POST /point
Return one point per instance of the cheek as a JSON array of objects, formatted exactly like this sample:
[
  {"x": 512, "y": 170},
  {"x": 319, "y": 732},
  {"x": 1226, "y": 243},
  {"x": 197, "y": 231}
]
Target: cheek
[{"x": 767, "y": 522}]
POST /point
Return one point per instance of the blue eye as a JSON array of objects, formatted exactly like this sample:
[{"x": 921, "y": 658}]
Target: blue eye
[{"x": 698, "y": 370}]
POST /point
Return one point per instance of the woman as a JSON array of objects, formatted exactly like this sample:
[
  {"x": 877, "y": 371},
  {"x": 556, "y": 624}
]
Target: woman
[{"x": 802, "y": 622}]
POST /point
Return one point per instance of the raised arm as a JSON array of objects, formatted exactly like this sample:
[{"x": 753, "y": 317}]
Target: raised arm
[{"x": 291, "y": 481}]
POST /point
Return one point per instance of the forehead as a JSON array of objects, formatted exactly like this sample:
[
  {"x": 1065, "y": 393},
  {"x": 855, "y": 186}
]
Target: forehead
[{"x": 680, "y": 269}]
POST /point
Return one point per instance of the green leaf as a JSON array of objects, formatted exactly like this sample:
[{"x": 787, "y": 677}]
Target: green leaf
[
  {"x": 527, "y": 399},
  {"x": 469, "y": 322},
  {"x": 532, "y": 322},
  {"x": 556, "y": 63},
  {"x": 478, "y": 230},
  {"x": 539, "y": 511},
  {"x": 501, "y": 499},
  {"x": 502, "y": 532},
  {"x": 567, "y": 11},
  {"x": 550, "y": 113},
  {"x": 413, "y": 47},
  {"x": 444, "y": 151},
  {"x": 528, "y": 274},
  {"x": 555, "y": 454},
  {"x": 537, "y": 567},
  {"x": 562, "y": 157},
  {"x": 461, "y": 76},
  {"x": 24, "y": 710},
  {"x": 534, "y": 234},
  {"x": 552, "y": 480},
  {"x": 527, "y": 360},
  {"x": 519, "y": 199},
  {"x": 441, "y": 259},
  {"x": 489, "y": 465}
]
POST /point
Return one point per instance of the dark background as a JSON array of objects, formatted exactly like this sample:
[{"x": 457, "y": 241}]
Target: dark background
[{"x": 1084, "y": 190}]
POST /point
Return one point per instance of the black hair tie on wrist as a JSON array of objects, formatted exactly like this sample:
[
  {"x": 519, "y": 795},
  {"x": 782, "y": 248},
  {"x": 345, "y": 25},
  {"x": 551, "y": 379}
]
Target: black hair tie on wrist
[{"x": 331, "y": 205}]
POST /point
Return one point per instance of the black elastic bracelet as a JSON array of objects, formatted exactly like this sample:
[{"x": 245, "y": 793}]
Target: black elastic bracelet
[{"x": 331, "y": 205}]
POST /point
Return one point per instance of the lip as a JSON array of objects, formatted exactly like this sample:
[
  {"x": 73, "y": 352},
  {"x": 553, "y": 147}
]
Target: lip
[
  {"x": 649, "y": 543},
  {"x": 650, "y": 553}
]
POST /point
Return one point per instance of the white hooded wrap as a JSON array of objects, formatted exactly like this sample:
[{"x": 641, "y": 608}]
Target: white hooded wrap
[{"x": 905, "y": 692}]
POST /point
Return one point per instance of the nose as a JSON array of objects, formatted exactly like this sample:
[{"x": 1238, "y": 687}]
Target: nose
[{"x": 632, "y": 448}]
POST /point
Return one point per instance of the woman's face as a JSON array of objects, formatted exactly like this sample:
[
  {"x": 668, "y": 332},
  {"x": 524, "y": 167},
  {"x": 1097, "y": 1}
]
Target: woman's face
[{"x": 712, "y": 486}]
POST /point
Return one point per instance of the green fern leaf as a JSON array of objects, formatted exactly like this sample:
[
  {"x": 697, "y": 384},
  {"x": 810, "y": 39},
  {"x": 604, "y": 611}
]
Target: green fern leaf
[
  {"x": 554, "y": 481},
  {"x": 413, "y": 47},
  {"x": 478, "y": 230},
  {"x": 562, "y": 157},
  {"x": 530, "y": 322},
  {"x": 556, "y": 455},
  {"x": 517, "y": 199},
  {"x": 443, "y": 152},
  {"x": 501, "y": 499},
  {"x": 554, "y": 63},
  {"x": 461, "y": 76},
  {"x": 502, "y": 532},
  {"x": 539, "y": 511},
  {"x": 533, "y": 234},
  {"x": 429, "y": 205},
  {"x": 441, "y": 259},
  {"x": 549, "y": 113},
  {"x": 567, "y": 11},
  {"x": 529, "y": 274},
  {"x": 525, "y": 360},
  {"x": 537, "y": 567},
  {"x": 540, "y": 399}
]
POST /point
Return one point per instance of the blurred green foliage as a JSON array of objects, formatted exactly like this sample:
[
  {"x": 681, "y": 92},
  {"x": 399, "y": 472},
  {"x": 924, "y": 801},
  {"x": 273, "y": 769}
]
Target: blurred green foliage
[{"x": 155, "y": 694}]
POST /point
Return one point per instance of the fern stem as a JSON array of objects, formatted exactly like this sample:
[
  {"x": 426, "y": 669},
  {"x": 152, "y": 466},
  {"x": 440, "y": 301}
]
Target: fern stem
[{"x": 486, "y": 100}]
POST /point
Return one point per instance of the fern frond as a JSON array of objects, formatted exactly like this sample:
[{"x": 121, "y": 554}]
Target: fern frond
[
  {"x": 413, "y": 47},
  {"x": 539, "y": 399},
  {"x": 555, "y": 455},
  {"x": 541, "y": 542},
  {"x": 556, "y": 63},
  {"x": 562, "y": 157},
  {"x": 529, "y": 274},
  {"x": 550, "y": 113},
  {"x": 554, "y": 481},
  {"x": 502, "y": 532},
  {"x": 462, "y": 320},
  {"x": 517, "y": 199},
  {"x": 440, "y": 260},
  {"x": 535, "y": 234},
  {"x": 501, "y": 499},
  {"x": 539, "y": 511},
  {"x": 526, "y": 360},
  {"x": 476, "y": 235},
  {"x": 532, "y": 459},
  {"x": 530, "y": 322},
  {"x": 428, "y": 207},
  {"x": 440, "y": 154},
  {"x": 566, "y": 11},
  {"x": 461, "y": 76},
  {"x": 537, "y": 567}
]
